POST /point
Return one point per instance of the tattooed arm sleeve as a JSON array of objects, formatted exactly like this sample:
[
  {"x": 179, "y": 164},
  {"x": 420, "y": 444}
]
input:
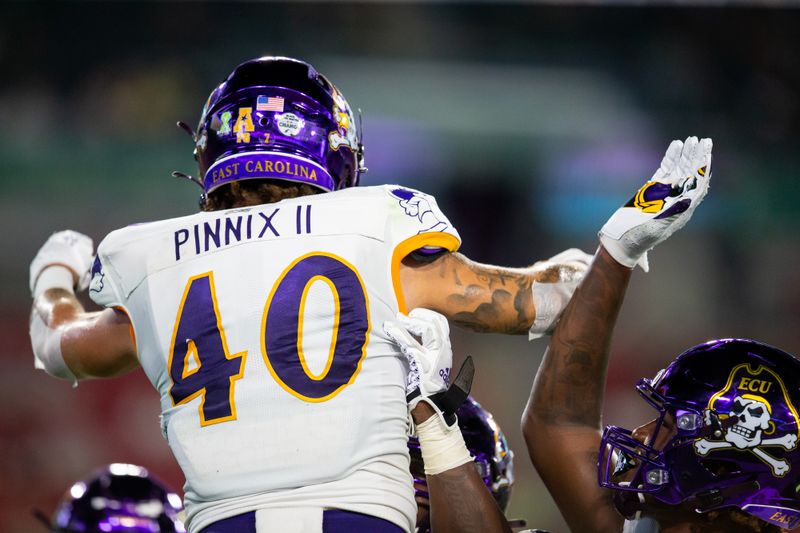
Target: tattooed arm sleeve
[
  {"x": 473, "y": 295},
  {"x": 561, "y": 423}
]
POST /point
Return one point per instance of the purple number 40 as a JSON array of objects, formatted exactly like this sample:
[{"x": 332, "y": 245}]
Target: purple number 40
[{"x": 201, "y": 365}]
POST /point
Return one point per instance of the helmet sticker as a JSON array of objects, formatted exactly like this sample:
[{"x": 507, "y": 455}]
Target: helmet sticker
[
  {"x": 754, "y": 398},
  {"x": 244, "y": 125},
  {"x": 277, "y": 105},
  {"x": 290, "y": 124},
  {"x": 202, "y": 140},
  {"x": 225, "y": 127},
  {"x": 269, "y": 103},
  {"x": 345, "y": 134}
]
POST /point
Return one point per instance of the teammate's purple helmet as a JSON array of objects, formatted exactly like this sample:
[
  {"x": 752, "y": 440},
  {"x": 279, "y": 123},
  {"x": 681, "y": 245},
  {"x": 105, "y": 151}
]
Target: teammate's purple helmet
[
  {"x": 278, "y": 118},
  {"x": 734, "y": 406},
  {"x": 119, "y": 498},
  {"x": 487, "y": 444}
]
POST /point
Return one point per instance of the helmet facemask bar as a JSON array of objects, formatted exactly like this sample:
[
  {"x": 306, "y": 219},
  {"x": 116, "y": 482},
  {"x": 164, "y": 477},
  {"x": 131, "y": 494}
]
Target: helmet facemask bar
[{"x": 621, "y": 452}]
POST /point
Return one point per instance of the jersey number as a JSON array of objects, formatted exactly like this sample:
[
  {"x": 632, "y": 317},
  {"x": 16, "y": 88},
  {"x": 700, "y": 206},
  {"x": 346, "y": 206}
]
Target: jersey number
[{"x": 201, "y": 365}]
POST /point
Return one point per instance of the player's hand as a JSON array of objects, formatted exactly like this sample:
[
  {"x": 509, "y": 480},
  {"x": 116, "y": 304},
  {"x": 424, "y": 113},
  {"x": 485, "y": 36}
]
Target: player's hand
[
  {"x": 430, "y": 361},
  {"x": 557, "y": 279},
  {"x": 69, "y": 249},
  {"x": 662, "y": 206}
]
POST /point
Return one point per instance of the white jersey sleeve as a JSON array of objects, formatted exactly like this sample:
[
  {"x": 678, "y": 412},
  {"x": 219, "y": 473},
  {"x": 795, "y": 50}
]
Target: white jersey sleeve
[
  {"x": 415, "y": 223},
  {"x": 261, "y": 329}
]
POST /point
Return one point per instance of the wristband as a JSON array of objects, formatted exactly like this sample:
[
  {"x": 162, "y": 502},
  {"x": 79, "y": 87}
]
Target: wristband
[
  {"x": 54, "y": 277},
  {"x": 442, "y": 448},
  {"x": 46, "y": 343},
  {"x": 549, "y": 300}
]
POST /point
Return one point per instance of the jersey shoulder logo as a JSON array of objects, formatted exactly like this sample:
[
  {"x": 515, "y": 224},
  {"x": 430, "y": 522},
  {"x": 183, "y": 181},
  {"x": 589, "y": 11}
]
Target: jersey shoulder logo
[
  {"x": 423, "y": 208},
  {"x": 97, "y": 282}
]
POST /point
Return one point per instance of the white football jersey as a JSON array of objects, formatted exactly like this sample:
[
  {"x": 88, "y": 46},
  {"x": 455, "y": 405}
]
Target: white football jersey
[{"x": 261, "y": 328}]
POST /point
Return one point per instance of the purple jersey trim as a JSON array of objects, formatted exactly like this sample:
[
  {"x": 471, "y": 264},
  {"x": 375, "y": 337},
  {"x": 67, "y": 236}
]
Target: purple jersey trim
[{"x": 430, "y": 250}]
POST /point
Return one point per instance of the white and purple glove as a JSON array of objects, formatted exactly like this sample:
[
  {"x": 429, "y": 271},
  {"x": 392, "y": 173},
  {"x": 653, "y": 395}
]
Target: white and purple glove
[
  {"x": 662, "y": 206},
  {"x": 430, "y": 362},
  {"x": 68, "y": 249},
  {"x": 550, "y": 298}
]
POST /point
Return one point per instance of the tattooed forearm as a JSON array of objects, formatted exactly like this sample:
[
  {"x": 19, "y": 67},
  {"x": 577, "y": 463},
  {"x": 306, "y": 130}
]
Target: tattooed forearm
[
  {"x": 485, "y": 316},
  {"x": 496, "y": 299},
  {"x": 476, "y": 296}
]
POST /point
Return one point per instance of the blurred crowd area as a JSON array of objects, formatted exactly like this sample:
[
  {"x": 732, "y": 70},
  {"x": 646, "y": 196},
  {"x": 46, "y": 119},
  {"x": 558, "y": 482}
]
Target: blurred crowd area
[{"x": 530, "y": 123}]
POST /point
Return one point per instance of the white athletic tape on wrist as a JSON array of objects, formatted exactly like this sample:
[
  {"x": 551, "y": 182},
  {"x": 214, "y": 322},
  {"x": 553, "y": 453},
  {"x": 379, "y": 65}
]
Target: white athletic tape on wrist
[
  {"x": 442, "y": 448},
  {"x": 623, "y": 255},
  {"x": 54, "y": 277},
  {"x": 46, "y": 342},
  {"x": 549, "y": 300}
]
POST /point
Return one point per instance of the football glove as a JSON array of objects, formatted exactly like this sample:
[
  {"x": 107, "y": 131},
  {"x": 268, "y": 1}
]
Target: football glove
[
  {"x": 430, "y": 362},
  {"x": 66, "y": 248},
  {"x": 550, "y": 298},
  {"x": 662, "y": 206}
]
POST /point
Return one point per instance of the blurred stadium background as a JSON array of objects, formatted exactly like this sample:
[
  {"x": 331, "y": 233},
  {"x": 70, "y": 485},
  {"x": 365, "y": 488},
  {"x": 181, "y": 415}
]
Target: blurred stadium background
[{"x": 529, "y": 122}]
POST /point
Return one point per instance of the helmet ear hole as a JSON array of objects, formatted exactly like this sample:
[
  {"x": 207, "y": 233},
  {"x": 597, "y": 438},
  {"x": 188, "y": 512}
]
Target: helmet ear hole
[{"x": 721, "y": 468}]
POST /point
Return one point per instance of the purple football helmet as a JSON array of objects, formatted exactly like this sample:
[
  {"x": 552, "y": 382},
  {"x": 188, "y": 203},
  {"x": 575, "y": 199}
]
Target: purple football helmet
[
  {"x": 487, "y": 444},
  {"x": 729, "y": 410},
  {"x": 278, "y": 118},
  {"x": 119, "y": 498}
]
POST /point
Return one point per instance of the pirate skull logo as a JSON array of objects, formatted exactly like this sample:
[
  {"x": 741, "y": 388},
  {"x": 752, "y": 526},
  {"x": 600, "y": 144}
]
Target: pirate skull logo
[
  {"x": 753, "y": 418},
  {"x": 751, "y": 415}
]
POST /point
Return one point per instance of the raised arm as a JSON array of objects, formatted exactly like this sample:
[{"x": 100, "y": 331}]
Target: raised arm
[
  {"x": 67, "y": 341},
  {"x": 562, "y": 421},
  {"x": 561, "y": 424}
]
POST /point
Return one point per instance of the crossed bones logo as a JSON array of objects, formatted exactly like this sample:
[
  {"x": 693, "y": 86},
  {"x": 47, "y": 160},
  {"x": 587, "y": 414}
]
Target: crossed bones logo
[{"x": 753, "y": 414}]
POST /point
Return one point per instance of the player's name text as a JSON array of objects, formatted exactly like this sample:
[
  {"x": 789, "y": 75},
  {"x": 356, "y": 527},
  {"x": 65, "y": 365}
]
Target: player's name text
[{"x": 236, "y": 228}]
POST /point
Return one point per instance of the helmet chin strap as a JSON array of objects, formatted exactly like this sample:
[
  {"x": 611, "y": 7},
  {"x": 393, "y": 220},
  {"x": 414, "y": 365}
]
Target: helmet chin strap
[
  {"x": 177, "y": 174},
  {"x": 181, "y": 175},
  {"x": 645, "y": 524},
  {"x": 360, "y": 157},
  {"x": 636, "y": 523},
  {"x": 202, "y": 200},
  {"x": 188, "y": 129}
]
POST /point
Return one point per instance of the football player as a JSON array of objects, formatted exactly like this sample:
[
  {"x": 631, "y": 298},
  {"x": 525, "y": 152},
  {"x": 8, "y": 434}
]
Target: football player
[
  {"x": 722, "y": 452},
  {"x": 118, "y": 498},
  {"x": 255, "y": 319}
]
